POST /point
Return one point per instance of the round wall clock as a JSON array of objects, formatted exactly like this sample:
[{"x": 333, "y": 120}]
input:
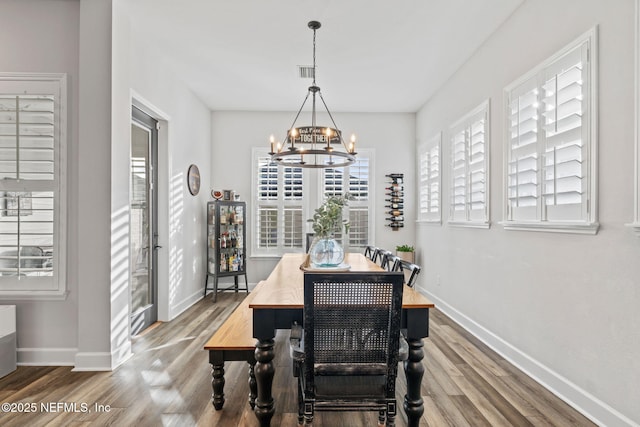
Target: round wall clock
[{"x": 193, "y": 180}]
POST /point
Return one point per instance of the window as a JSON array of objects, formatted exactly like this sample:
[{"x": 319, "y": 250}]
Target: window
[
  {"x": 279, "y": 208},
  {"x": 283, "y": 203},
  {"x": 429, "y": 175},
  {"x": 356, "y": 180},
  {"x": 469, "y": 169},
  {"x": 32, "y": 188},
  {"x": 551, "y": 143}
]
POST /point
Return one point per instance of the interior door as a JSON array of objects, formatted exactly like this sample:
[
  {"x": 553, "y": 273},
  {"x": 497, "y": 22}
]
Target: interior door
[{"x": 143, "y": 221}]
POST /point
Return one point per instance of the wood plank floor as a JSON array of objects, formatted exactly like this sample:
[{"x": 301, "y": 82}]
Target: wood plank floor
[{"x": 168, "y": 383}]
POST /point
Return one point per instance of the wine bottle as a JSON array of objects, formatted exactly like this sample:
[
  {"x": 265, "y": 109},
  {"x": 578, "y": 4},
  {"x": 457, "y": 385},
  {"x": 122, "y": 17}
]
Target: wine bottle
[
  {"x": 394, "y": 206},
  {"x": 395, "y": 212},
  {"x": 395, "y": 218},
  {"x": 395, "y": 187},
  {"x": 395, "y": 175},
  {"x": 396, "y": 225},
  {"x": 394, "y": 200}
]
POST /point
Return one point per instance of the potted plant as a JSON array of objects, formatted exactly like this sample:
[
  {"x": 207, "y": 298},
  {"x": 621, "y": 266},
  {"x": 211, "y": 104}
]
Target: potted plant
[
  {"x": 325, "y": 251},
  {"x": 406, "y": 252}
]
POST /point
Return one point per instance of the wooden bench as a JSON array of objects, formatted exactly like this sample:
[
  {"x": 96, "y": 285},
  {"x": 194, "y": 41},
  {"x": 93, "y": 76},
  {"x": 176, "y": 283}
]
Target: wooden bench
[{"x": 233, "y": 341}]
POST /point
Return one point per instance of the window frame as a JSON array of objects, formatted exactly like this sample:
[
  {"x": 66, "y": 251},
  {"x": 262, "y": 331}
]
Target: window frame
[
  {"x": 280, "y": 204},
  {"x": 482, "y": 111},
  {"x": 589, "y": 225},
  {"x": 369, "y": 154},
  {"x": 635, "y": 226},
  {"x": 426, "y": 149},
  {"x": 52, "y": 287}
]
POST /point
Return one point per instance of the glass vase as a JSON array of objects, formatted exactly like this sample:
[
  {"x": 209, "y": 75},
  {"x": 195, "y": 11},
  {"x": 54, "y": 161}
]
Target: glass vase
[{"x": 326, "y": 252}]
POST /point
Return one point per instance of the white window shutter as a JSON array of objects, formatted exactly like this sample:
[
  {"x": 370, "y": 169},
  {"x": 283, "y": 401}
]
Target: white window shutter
[{"x": 551, "y": 153}]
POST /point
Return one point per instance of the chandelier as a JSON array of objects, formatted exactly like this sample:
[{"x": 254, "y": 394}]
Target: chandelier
[{"x": 313, "y": 146}]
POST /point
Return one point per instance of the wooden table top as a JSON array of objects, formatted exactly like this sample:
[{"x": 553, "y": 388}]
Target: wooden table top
[{"x": 284, "y": 288}]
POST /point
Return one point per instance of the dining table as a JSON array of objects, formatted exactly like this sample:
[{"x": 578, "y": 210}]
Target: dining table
[{"x": 280, "y": 302}]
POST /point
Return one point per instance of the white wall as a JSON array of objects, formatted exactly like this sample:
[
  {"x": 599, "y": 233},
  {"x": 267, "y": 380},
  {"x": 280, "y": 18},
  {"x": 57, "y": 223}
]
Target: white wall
[
  {"x": 562, "y": 306},
  {"x": 392, "y": 136},
  {"x": 184, "y": 139},
  {"x": 31, "y": 35}
]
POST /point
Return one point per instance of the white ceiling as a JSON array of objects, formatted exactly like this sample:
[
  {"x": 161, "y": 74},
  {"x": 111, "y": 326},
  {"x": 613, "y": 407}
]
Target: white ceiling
[{"x": 372, "y": 56}]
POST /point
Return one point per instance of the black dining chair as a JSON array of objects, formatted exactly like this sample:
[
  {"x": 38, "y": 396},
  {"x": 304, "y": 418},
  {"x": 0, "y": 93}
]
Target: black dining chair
[
  {"x": 387, "y": 260},
  {"x": 370, "y": 252},
  {"x": 346, "y": 355},
  {"x": 409, "y": 269}
]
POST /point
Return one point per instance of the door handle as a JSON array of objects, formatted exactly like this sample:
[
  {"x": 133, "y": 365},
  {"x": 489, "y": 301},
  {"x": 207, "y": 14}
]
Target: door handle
[{"x": 155, "y": 247}]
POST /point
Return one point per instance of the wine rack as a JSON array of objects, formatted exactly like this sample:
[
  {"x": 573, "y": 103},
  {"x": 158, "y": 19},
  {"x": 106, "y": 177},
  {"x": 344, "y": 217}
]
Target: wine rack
[{"x": 394, "y": 201}]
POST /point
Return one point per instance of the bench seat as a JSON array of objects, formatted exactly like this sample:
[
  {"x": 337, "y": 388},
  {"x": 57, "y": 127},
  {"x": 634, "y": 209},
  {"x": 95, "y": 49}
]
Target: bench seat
[{"x": 233, "y": 341}]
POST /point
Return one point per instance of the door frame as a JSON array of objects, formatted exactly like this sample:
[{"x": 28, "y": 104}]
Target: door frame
[
  {"x": 147, "y": 315},
  {"x": 162, "y": 193}
]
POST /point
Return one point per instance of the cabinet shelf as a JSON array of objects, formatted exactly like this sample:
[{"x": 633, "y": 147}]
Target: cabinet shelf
[{"x": 226, "y": 249}]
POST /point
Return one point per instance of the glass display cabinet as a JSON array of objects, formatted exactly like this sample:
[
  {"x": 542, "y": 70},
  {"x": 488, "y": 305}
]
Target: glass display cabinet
[{"x": 226, "y": 250}]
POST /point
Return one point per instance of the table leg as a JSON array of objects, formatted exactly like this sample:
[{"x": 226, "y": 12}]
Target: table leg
[
  {"x": 413, "y": 405},
  {"x": 253, "y": 386},
  {"x": 264, "y": 371},
  {"x": 217, "y": 383}
]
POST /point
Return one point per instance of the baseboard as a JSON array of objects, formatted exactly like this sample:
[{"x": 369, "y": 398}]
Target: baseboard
[
  {"x": 93, "y": 361},
  {"x": 590, "y": 406},
  {"x": 46, "y": 356}
]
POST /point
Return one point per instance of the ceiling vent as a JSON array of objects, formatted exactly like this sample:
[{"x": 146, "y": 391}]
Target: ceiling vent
[{"x": 305, "y": 71}]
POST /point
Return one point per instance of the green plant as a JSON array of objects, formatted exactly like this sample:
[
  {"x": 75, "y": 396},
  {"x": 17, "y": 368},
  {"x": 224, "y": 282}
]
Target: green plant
[
  {"x": 404, "y": 248},
  {"x": 328, "y": 217}
]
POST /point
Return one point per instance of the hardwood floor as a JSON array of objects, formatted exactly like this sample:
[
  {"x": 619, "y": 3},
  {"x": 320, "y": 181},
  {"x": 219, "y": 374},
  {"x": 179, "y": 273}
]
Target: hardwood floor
[{"x": 168, "y": 383}]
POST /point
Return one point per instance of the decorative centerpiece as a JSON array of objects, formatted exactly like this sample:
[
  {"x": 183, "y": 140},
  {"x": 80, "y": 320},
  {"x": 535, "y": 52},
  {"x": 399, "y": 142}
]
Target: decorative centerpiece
[{"x": 325, "y": 251}]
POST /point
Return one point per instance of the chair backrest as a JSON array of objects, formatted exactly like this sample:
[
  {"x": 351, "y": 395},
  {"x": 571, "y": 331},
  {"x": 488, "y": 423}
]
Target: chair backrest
[
  {"x": 351, "y": 323},
  {"x": 310, "y": 237},
  {"x": 370, "y": 252},
  {"x": 387, "y": 260},
  {"x": 405, "y": 266}
]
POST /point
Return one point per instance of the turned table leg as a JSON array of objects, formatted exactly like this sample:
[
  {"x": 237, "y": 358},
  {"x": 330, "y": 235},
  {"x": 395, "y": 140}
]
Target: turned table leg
[
  {"x": 413, "y": 405},
  {"x": 264, "y": 372},
  {"x": 253, "y": 386},
  {"x": 217, "y": 383}
]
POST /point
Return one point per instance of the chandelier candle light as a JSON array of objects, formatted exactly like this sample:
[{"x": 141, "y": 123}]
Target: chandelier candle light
[{"x": 313, "y": 146}]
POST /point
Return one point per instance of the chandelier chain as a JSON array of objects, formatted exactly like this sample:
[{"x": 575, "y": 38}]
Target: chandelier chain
[{"x": 314, "y": 57}]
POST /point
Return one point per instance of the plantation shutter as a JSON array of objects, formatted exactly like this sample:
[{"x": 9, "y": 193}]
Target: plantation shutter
[
  {"x": 32, "y": 149},
  {"x": 292, "y": 236},
  {"x": 477, "y": 169},
  {"x": 523, "y": 143},
  {"x": 459, "y": 175},
  {"x": 429, "y": 177},
  {"x": 564, "y": 167},
  {"x": 469, "y": 166},
  {"x": 267, "y": 206},
  {"x": 548, "y": 167},
  {"x": 355, "y": 179}
]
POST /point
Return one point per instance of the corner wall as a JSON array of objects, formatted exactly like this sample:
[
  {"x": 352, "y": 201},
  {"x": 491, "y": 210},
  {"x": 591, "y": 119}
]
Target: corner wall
[{"x": 563, "y": 307}]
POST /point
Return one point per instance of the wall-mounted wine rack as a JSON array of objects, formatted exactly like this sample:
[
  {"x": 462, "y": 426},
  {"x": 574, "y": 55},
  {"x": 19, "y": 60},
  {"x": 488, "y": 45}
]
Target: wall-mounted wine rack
[{"x": 394, "y": 201}]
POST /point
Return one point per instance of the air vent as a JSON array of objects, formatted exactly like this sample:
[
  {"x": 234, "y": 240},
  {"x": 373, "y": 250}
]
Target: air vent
[{"x": 305, "y": 71}]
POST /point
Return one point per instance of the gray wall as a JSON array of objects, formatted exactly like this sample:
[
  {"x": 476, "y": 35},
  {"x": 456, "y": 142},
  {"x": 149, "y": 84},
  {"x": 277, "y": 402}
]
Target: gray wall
[
  {"x": 47, "y": 330},
  {"x": 561, "y": 306}
]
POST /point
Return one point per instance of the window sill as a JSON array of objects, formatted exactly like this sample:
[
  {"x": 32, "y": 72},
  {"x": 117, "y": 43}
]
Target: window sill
[
  {"x": 429, "y": 222},
  {"x": 33, "y": 295},
  {"x": 572, "y": 228},
  {"x": 469, "y": 224}
]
